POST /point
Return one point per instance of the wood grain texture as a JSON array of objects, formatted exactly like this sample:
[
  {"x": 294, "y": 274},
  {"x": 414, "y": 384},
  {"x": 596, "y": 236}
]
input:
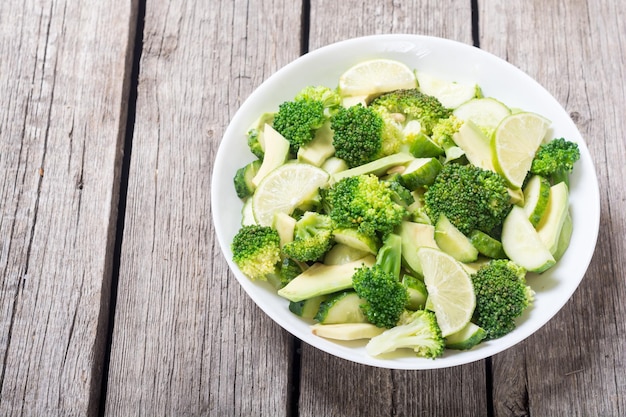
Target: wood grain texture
[
  {"x": 576, "y": 364},
  {"x": 64, "y": 83},
  {"x": 187, "y": 340},
  {"x": 334, "y": 387}
]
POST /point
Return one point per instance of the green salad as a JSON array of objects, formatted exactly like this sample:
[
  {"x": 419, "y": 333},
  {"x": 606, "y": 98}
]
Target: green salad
[{"x": 403, "y": 209}]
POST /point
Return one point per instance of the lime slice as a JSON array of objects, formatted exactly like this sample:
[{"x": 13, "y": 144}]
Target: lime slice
[
  {"x": 515, "y": 142},
  {"x": 451, "y": 94},
  {"x": 285, "y": 188},
  {"x": 450, "y": 291},
  {"x": 536, "y": 197},
  {"x": 376, "y": 76},
  {"x": 485, "y": 112}
]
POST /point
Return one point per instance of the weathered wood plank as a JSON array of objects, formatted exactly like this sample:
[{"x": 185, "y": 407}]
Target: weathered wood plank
[
  {"x": 335, "y": 387},
  {"x": 187, "y": 340},
  {"x": 64, "y": 83},
  {"x": 574, "y": 365}
]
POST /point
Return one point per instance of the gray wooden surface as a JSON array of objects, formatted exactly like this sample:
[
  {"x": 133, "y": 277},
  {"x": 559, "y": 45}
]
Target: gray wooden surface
[{"x": 114, "y": 296}]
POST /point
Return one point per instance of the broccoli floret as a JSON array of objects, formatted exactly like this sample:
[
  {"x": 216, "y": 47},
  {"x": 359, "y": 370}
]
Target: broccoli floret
[
  {"x": 555, "y": 160},
  {"x": 298, "y": 120},
  {"x": 365, "y": 203},
  {"x": 330, "y": 99},
  {"x": 313, "y": 237},
  {"x": 256, "y": 251},
  {"x": 445, "y": 129},
  {"x": 416, "y": 330},
  {"x": 380, "y": 286},
  {"x": 501, "y": 296},
  {"x": 470, "y": 197},
  {"x": 413, "y": 105},
  {"x": 361, "y": 135}
]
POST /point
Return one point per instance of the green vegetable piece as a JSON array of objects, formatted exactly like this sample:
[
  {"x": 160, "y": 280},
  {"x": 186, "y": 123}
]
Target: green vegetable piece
[
  {"x": 256, "y": 251},
  {"x": 501, "y": 296},
  {"x": 487, "y": 245},
  {"x": 555, "y": 160},
  {"x": 322, "y": 279},
  {"x": 361, "y": 135},
  {"x": 356, "y": 240},
  {"x": 424, "y": 147},
  {"x": 421, "y": 172},
  {"x": 344, "y": 307},
  {"x": 307, "y": 309},
  {"x": 417, "y": 292},
  {"x": 536, "y": 197},
  {"x": 450, "y": 240},
  {"x": 467, "y": 338},
  {"x": 365, "y": 203},
  {"x": 549, "y": 228},
  {"x": 244, "y": 187},
  {"x": 472, "y": 198},
  {"x": 346, "y": 331},
  {"x": 417, "y": 330},
  {"x": 380, "y": 285}
]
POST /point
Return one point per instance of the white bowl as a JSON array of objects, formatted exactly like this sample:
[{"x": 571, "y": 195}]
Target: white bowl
[{"x": 449, "y": 60}]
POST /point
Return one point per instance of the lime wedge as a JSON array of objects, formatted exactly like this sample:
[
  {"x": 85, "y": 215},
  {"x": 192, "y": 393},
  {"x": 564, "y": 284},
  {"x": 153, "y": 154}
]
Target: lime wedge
[
  {"x": 376, "y": 76},
  {"x": 450, "y": 290},
  {"x": 515, "y": 142},
  {"x": 285, "y": 188},
  {"x": 486, "y": 112}
]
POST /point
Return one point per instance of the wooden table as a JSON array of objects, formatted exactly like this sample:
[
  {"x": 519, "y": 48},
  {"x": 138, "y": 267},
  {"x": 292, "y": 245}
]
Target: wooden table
[{"x": 114, "y": 296}]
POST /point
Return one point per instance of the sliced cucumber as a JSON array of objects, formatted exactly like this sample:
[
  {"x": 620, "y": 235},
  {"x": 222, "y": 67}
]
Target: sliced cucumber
[
  {"x": 549, "y": 228},
  {"x": 421, "y": 172},
  {"x": 536, "y": 197},
  {"x": 487, "y": 245},
  {"x": 453, "y": 242},
  {"x": 466, "y": 338},
  {"x": 522, "y": 243},
  {"x": 344, "y": 307},
  {"x": 425, "y": 147},
  {"x": 347, "y": 331},
  {"x": 307, "y": 309},
  {"x": 243, "y": 179}
]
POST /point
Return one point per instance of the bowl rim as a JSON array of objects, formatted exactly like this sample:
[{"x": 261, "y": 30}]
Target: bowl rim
[{"x": 419, "y": 47}]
